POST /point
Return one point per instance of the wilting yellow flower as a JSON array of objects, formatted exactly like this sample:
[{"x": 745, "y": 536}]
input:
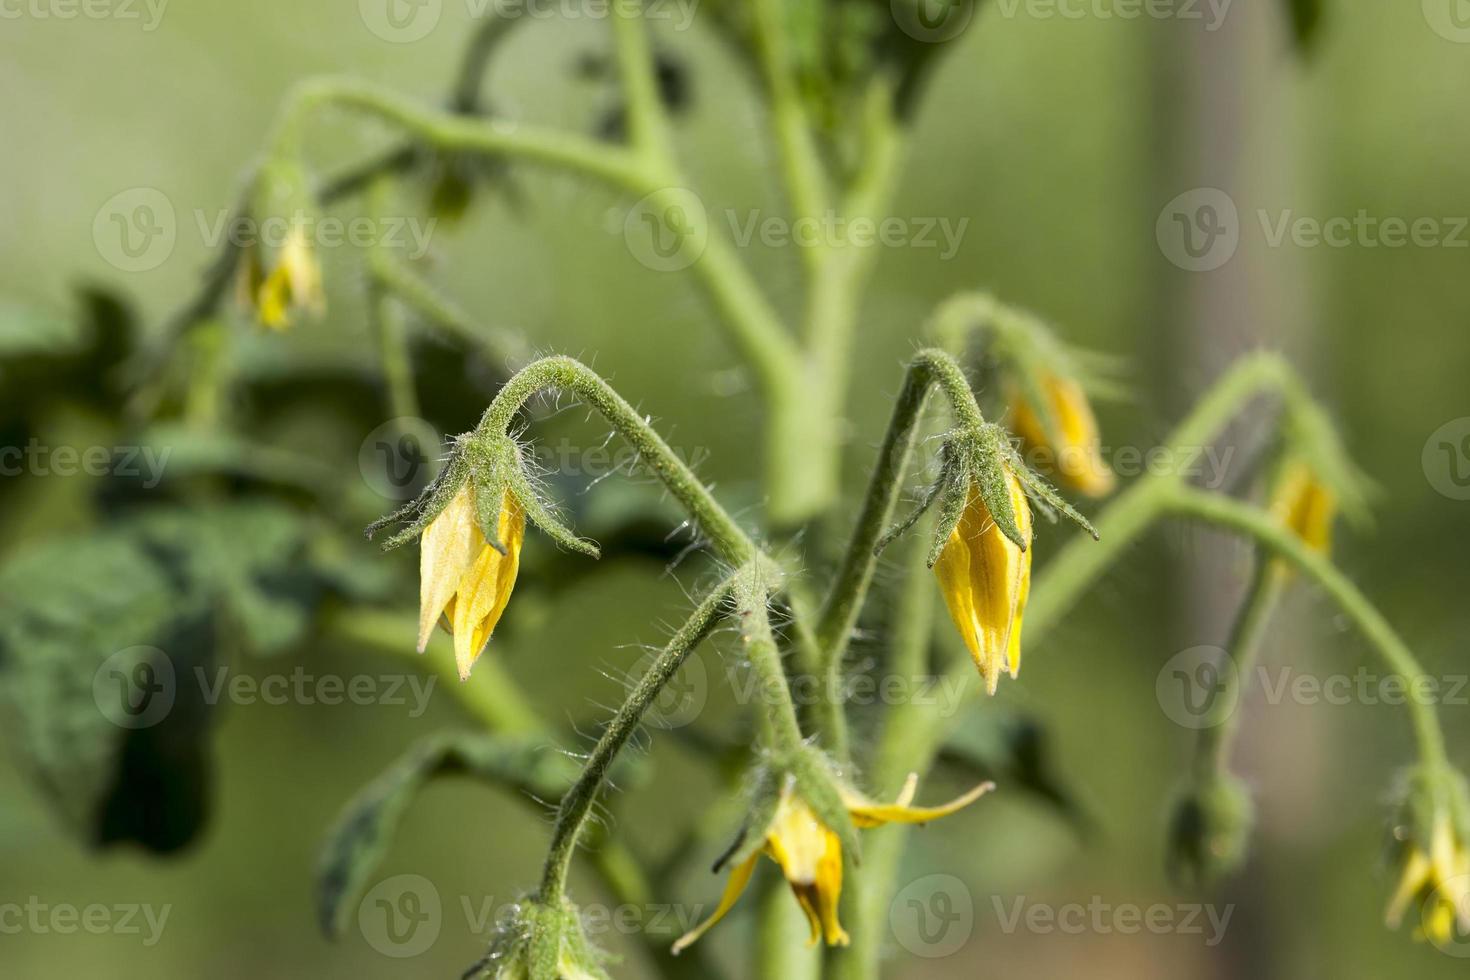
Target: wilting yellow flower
[
  {"x": 1305, "y": 505},
  {"x": 1079, "y": 463},
  {"x": 463, "y": 581},
  {"x": 1439, "y": 882},
  {"x": 810, "y": 855},
  {"x": 985, "y": 579},
  {"x": 294, "y": 283}
]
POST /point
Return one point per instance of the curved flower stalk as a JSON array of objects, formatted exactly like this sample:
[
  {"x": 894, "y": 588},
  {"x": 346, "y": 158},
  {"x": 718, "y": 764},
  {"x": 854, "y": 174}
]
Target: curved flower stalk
[{"x": 809, "y": 852}]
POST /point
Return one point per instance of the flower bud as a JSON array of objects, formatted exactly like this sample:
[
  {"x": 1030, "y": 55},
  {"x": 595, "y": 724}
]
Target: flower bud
[{"x": 1209, "y": 835}]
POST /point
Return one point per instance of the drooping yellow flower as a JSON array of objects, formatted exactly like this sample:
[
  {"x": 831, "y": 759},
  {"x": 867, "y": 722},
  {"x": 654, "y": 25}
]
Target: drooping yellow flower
[
  {"x": 463, "y": 581},
  {"x": 1078, "y": 458},
  {"x": 294, "y": 283},
  {"x": 1439, "y": 883},
  {"x": 985, "y": 579},
  {"x": 1305, "y": 505},
  {"x": 810, "y": 855}
]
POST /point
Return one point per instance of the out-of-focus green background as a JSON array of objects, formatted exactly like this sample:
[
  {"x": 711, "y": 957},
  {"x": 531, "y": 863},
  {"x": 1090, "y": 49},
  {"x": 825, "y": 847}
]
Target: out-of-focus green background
[{"x": 1061, "y": 140}]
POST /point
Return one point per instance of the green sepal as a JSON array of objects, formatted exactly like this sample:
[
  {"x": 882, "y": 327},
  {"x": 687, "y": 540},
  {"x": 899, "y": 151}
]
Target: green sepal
[
  {"x": 1043, "y": 493},
  {"x": 951, "y": 508},
  {"x": 992, "y": 460},
  {"x": 429, "y": 504},
  {"x": 765, "y": 796},
  {"x": 946, "y": 479},
  {"x": 540, "y": 514}
]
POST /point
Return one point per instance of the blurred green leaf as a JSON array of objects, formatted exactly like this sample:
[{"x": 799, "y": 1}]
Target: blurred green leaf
[
  {"x": 103, "y": 639},
  {"x": 363, "y": 833}
]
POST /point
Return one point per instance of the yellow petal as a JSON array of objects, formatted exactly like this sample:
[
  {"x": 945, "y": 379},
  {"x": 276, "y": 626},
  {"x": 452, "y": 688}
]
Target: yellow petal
[
  {"x": 1305, "y": 506},
  {"x": 810, "y": 856},
  {"x": 983, "y": 575},
  {"x": 1079, "y": 463},
  {"x": 446, "y": 550},
  {"x": 867, "y": 814},
  {"x": 1417, "y": 874},
  {"x": 734, "y": 888},
  {"x": 485, "y": 588}
]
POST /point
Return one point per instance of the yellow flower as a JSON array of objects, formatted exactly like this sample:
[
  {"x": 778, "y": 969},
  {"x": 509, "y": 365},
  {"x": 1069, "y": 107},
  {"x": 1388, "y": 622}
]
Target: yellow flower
[
  {"x": 463, "y": 581},
  {"x": 1305, "y": 505},
  {"x": 1439, "y": 882},
  {"x": 1079, "y": 463},
  {"x": 295, "y": 283},
  {"x": 985, "y": 579},
  {"x": 810, "y": 855}
]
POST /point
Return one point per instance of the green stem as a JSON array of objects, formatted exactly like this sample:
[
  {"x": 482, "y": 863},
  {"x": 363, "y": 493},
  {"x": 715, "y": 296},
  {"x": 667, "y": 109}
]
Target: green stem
[
  {"x": 901, "y": 742},
  {"x": 779, "y": 722},
  {"x": 855, "y": 574},
  {"x": 805, "y": 179},
  {"x": 1255, "y": 523},
  {"x": 648, "y": 124},
  {"x": 576, "y": 805},
  {"x": 1212, "y": 750},
  {"x": 568, "y": 374},
  {"x": 450, "y": 131},
  {"x": 503, "y": 346},
  {"x": 1081, "y": 563}
]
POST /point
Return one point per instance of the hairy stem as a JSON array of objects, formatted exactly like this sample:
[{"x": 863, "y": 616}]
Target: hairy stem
[
  {"x": 855, "y": 574},
  {"x": 568, "y": 374},
  {"x": 576, "y": 806}
]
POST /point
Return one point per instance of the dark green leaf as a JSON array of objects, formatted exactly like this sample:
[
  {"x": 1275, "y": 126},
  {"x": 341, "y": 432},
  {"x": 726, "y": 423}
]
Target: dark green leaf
[{"x": 364, "y": 831}]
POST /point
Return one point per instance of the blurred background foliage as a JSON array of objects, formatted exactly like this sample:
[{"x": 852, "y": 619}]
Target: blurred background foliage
[{"x": 1059, "y": 140}]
